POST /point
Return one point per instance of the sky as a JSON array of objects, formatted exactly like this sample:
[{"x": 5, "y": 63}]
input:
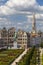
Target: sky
[{"x": 19, "y": 14}]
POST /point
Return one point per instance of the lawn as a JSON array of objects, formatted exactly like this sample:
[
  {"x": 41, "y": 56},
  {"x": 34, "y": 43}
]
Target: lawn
[
  {"x": 42, "y": 59},
  {"x": 8, "y": 56}
]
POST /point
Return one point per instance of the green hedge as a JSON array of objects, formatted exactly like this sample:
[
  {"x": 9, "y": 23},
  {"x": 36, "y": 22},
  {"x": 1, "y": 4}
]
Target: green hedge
[
  {"x": 41, "y": 45},
  {"x": 33, "y": 60}
]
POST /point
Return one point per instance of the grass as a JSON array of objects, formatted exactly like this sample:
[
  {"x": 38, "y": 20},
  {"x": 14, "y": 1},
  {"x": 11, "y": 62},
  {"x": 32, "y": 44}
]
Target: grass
[
  {"x": 42, "y": 59},
  {"x": 8, "y": 56}
]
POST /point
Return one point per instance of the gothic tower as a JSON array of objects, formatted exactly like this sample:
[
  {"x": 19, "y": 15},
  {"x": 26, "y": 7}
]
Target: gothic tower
[
  {"x": 34, "y": 37},
  {"x": 34, "y": 24},
  {"x": 33, "y": 33}
]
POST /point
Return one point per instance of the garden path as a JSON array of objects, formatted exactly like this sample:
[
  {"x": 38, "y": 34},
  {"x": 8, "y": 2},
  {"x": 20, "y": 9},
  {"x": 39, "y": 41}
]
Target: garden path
[{"x": 19, "y": 58}]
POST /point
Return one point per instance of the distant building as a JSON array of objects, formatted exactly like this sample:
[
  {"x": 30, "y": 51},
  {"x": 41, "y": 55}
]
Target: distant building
[
  {"x": 7, "y": 37},
  {"x": 28, "y": 40},
  {"x": 0, "y": 40},
  {"x": 3, "y": 38},
  {"x": 22, "y": 39},
  {"x": 0, "y": 34},
  {"x": 11, "y": 34},
  {"x": 19, "y": 38},
  {"x": 42, "y": 37},
  {"x": 34, "y": 38}
]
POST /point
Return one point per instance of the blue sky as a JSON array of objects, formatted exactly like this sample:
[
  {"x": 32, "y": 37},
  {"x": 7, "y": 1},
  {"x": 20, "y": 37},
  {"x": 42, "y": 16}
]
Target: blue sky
[
  {"x": 40, "y": 2},
  {"x": 19, "y": 13}
]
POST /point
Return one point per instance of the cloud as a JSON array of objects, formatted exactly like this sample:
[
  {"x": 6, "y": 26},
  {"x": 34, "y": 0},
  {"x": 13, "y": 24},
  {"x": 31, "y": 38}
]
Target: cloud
[
  {"x": 19, "y": 23},
  {"x": 21, "y": 7},
  {"x": 14, "y": 6},
  {"x": 4, "y": 22}
]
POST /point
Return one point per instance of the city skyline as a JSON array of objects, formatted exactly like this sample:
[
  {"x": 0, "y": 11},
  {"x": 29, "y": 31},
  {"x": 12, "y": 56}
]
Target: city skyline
[{"x": 19, "y": 14}]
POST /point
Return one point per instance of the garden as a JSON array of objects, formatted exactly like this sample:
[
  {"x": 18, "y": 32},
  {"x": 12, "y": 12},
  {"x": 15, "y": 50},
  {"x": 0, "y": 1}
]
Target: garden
[
  {"x": 30, "y": 57},
  {"x": 8, "y": 56}
]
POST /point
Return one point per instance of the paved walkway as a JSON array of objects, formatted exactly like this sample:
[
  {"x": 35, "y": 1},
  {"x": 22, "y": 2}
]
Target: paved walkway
[
  {"x": 20, "y": 57},
  {"x": 41, "y": 52}
]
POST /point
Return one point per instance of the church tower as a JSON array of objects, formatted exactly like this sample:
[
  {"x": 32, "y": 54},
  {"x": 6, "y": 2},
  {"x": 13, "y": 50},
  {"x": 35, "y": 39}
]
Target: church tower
[
  {"x": 34, "y": 25},
  {"x": 34, "y": 37},
  {"x": 33, "y": 33}
]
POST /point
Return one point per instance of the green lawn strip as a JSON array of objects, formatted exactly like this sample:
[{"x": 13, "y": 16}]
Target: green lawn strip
[
  {"x": 8, "y": 56},
  {"x": 42, "y": 59}
]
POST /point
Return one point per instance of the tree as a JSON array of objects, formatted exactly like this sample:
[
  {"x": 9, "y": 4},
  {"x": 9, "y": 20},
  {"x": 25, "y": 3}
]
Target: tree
[{"x": 40, "y": 32}]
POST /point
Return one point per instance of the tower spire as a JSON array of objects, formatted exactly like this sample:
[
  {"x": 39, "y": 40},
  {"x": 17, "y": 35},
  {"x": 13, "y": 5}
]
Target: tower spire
[{"x": 34, "y": 24}]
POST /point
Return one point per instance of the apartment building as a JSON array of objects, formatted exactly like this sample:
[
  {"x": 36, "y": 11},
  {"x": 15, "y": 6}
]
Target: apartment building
[
  {"x": 7, "y": 37},
  {"x": 28, "y": 39},
  {"x": 22, "y": 39},
  {"x": 0, "y": 40},
  {"x": 11, "y": 34},
  {"x": 3, "y": 38}
]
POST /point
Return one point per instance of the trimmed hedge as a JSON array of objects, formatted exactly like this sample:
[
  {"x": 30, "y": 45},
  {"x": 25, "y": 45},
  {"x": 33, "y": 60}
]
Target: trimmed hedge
[
  {"x": 34, "y": 60},
  {"x": 27, "y": 58}
]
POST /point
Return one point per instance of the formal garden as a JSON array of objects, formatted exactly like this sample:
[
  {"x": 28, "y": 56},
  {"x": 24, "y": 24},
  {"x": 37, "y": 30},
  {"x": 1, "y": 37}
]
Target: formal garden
[
  {"x": 31, "y": 58},
  {"x": 8, "y": 56}
]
